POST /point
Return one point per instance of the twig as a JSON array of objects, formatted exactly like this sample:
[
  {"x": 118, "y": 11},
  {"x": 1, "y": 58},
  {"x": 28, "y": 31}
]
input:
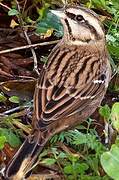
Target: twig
[
  {"x": 24, "y": 6},
  {"x": 25, "y": 78},
  {"x": 28, "y": 40},
  {"x": 7, "y": 29},
  {"x": 22, "y": 126},
  {"x": 12, "y": 110},
  {"x": 106, "y": 132},
  {"x": 68, "y": 150},
  {"x": 28, "y": 46},
  {"x": 64, "y": 2},
  {"x": 33, "y": 53},
  {"x": 5, "y": 6},
  {"x": 11, "y": 114}
]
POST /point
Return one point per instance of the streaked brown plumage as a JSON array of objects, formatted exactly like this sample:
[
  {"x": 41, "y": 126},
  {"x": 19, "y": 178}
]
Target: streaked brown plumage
[{"x": 69, "y": 88}]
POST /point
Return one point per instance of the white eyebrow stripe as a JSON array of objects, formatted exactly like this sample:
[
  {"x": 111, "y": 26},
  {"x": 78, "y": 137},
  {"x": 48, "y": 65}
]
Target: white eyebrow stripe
[{"x": 98, "y": 81}]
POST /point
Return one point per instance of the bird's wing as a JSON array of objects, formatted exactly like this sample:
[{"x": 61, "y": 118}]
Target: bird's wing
[{"x": 68, "y": 84}]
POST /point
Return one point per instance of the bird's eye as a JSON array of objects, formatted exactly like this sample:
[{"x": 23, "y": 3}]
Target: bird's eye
[{"x": 79, "y": 18}]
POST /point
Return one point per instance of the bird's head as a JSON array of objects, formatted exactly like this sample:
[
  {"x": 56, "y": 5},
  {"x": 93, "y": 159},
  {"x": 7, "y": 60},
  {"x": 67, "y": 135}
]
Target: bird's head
[{"x": 81, "y": 25}]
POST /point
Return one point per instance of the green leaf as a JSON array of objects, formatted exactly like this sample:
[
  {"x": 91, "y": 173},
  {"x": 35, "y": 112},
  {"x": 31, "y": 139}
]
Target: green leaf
[
  {"x": 49, "y": 161},
  {"x": 54, "y": 150},
  {"x": 14, "y": 99},
  {"x": 2, "y": 97},
  {"x": 105, "y": 111},
  {"x": 99, "y": 3},
  {"x": 50, "y": 22},
  {"x": 2, "y": 142},
  {"x": 13, "y": 12},
  {"x": 115, "y": 115},
  {"x": 42, "y": 11},
  {"x": 11, "y": 138},
  {"x": 80, "y": 138},
  {"x": 110, "y": 162},
  {"x": 68, "y": 169},
  {"x": 86, "y": 177},
  {"x": 77, "y": 168},
  {"x": 44, "y": 153},
  {"x": 93, "y": 162},
  {"x": 81, "y": 167},
  {"x": 72, "y": 158},
  {"x": 62, "y": 155},
  {"x": 114, "y": 50}
]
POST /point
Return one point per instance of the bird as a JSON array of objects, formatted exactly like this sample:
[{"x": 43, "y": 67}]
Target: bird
[{"x": 69, "y": 88}]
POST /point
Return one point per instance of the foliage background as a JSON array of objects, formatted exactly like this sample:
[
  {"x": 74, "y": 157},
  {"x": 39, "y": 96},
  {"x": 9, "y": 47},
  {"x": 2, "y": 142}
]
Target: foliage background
[{"x": 91, "y": 150}]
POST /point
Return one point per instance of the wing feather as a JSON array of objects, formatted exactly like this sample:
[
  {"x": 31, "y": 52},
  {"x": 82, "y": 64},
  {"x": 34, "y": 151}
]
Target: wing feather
[{"x": 58, "y": 100}]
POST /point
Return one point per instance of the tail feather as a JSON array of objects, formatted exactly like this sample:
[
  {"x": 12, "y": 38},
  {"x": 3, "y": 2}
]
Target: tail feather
[{"x": 26, "y": 156}]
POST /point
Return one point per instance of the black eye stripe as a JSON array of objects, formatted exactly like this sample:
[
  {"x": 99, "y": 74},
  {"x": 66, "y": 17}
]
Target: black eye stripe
[
  {"x": 77, "y": 18},
  {"x": 70, "y": 15}
]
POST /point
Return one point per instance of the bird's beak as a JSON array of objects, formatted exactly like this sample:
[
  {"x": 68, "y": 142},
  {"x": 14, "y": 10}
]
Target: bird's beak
[{"x": 60, "y": 13}]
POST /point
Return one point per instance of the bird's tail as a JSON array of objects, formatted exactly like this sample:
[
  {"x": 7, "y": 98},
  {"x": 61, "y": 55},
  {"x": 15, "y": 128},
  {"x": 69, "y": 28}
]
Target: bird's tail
[{"x": 26, "y": 156}]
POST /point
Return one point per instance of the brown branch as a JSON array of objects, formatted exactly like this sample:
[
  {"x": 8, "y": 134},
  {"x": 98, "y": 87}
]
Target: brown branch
[
  {"x": 28, "y": 46},
  {"x": 5, "y": 6},
  {"x": 28, "y": 39}
]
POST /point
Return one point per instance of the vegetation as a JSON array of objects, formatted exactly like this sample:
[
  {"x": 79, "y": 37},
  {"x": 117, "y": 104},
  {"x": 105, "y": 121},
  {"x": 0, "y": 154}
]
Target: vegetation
[{"x": 91, "y": 150}]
